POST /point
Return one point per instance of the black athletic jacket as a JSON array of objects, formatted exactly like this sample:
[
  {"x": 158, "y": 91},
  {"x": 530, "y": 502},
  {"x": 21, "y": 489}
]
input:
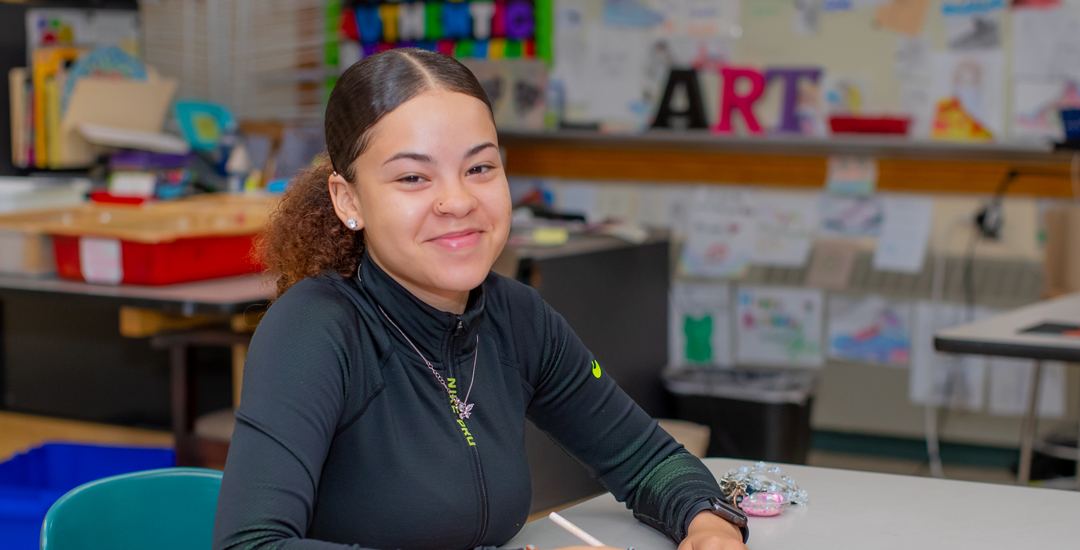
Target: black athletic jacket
[{"x": 344, "y": 437}]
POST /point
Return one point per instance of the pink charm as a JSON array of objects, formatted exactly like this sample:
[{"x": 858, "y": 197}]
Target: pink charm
[{"x": 763, "y": 504}]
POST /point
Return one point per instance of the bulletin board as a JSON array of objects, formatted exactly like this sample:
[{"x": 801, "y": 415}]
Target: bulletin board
[{"x": 956, "y": 70}]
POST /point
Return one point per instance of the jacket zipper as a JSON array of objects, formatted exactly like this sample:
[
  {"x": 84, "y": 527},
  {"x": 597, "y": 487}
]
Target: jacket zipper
[{"x": 478, "y": 465}]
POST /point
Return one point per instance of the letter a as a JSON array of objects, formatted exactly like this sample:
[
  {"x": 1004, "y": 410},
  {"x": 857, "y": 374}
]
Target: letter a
[{"x": 694, "y": 114}]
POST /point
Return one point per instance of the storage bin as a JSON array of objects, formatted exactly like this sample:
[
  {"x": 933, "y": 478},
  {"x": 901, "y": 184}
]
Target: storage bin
[
  {"x": 156, "y": 243},
  {"x": 754, "y": 414},
  {"x": 25, "y": 245},
  {"x": 31, "y": 482},
  {"x": 162, "y": 244}
]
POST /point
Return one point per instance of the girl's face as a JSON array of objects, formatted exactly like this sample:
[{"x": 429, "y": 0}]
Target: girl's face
[{"x": 431, "y": 196}]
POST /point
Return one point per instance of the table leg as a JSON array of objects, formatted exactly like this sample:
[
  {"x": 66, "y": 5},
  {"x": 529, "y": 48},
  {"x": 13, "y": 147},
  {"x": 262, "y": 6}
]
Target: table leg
[
  {"x": 183, "y": 405},
  {"x": 1027, "y": 437},
  {"x": 1078, "y": 462},
  {"x": 239, "y": 355}
]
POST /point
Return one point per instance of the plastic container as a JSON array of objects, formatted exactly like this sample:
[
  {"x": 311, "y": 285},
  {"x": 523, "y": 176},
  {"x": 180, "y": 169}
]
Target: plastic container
[
  {"x": 31, "y": 482},
  {"x": 164, "y": 263},
  {"x": 869, "y": 125},
  {"x": 753, "y": 414},
  {"x": 25, "y": 245},
  {"x": 163, "y": 244}
]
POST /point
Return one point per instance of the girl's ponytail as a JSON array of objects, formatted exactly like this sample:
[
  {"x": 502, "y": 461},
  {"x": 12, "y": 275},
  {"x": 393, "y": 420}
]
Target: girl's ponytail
[{"x": 304, "y": 236}]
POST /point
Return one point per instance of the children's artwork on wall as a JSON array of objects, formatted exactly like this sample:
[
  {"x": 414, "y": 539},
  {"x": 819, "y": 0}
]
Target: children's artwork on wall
[
  {"x": 973, "y": 24},
  {"x": 831, "y": 263},
  {"x": 943, "y": 379},
  {"x": 719, "y": 244},
  {"x": 517, "y": 90},
  {"x": 905, "y": 234},
  {"x": 850, "y": 216},
  {"x": 1037, "y": 105},
  {"x": 666, "y": 206},
  {"x": 851, "y": 175},
  {"x": 722, "y": 232},
  {"x": 697, "y": 19},
  {"x": 871, "y": 329},
  {"x": 807, "y": 13},
  {"x": 845, "y": 95},
  {"x": 902, "y": 16},
  {"x": 631, "y": 13},
  {"x": 1045, "y": 42},
  {"x": 779, "y": 326},
  {"x": 82, "y": 27},
  {"x": 1010, "y": 387},
  {"x": 786, "y": 225},
  {"x": 968, "y": 94},
  {"x": 699, "y": 325}
]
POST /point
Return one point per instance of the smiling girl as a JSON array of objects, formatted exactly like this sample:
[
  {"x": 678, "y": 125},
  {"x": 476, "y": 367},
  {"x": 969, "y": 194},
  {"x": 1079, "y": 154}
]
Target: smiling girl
[{"x": 386, "y": 390}]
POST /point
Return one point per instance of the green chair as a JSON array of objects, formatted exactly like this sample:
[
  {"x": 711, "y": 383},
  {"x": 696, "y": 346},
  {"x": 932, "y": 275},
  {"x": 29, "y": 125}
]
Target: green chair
[{"x": 167, "y": 509}]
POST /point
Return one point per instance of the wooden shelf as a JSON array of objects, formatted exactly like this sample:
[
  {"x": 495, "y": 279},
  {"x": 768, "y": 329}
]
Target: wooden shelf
[{"x": 698, "y": 156}]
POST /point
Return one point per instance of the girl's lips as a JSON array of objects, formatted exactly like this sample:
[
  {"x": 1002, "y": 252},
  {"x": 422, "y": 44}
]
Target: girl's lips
[{"x": 458, "y": 240}]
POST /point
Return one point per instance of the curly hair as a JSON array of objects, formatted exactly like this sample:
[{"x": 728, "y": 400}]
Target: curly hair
[{"x": 304, "y": 236}]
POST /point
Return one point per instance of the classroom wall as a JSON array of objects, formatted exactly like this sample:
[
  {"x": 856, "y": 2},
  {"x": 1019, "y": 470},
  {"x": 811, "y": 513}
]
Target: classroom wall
[{"x": 859, "y": 397}]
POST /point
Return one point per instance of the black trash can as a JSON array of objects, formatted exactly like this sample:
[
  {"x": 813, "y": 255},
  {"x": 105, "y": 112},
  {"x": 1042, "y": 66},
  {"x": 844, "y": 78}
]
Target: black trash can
[{"x": 753, "y": 414}]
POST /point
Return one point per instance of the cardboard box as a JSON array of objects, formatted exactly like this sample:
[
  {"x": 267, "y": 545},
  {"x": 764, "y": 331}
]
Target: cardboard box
[{"x": 1061, "y": 263}]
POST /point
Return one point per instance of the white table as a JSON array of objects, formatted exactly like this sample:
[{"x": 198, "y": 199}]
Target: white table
[
  {"x": 1003, "y": 335},
  {"x": 858, "y": 510}
]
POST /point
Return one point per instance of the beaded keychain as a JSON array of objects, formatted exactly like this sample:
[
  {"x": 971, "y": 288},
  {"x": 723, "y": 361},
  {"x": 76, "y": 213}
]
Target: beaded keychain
[{"x": 751, "y": 488}]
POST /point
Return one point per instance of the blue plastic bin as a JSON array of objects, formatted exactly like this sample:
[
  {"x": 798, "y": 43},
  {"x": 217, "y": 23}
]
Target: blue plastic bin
[{"x": 31, "y": 482}]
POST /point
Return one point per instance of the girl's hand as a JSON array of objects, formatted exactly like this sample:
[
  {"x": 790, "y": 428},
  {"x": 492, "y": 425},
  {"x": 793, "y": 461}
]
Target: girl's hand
[{"x": 709, "y": 532}]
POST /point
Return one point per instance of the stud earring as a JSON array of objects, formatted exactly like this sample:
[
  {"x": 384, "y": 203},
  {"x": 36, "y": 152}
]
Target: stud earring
[{"x": 351, "y": 224}]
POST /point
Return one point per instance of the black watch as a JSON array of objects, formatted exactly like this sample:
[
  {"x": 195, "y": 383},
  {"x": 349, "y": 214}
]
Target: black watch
[{"x": 729, "y": 512}]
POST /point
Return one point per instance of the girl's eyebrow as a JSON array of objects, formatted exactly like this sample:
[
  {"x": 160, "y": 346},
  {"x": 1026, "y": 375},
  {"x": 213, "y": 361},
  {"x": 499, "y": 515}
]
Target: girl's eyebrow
[
  {"x": 409, "y": 155},
  {"x": 476, "y": 150}
]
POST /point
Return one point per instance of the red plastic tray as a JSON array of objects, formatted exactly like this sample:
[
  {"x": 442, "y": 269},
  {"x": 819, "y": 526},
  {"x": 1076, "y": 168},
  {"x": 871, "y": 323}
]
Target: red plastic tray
[
  {"x": 166, "y": 263},
  {"x": 869, "y": 125}
]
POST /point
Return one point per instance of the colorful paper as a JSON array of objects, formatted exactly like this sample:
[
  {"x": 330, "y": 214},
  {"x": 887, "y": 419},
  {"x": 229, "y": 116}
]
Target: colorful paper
[
  {"x": 969, "y": 96},
  {"x": 942, "y": 379},
  {"x": 1045, "y": 43},
  {"x": 973, "y": 24},
  {"x": 516, "y": 88},
  {"x": 871, "y": 329},
  {"x": 905, "y": 234},
  {"x": 719, "y": 244},
  {"x": 699, "y": 325},
  {"x": 1010, "y": 387},
  {"x": 666, "y": 206},
  {"x": 831, "y": 263},
  {"x": 779, "y": 326},
  {"x": 852, "y": 217},
  {"x": 902, "y": 16},
  {"x": 845, "y": 95},
  {"x": 1037, "y": 105},
  {"x": 807, "y": 13},
  {"x": 848, "y": 175},
  {"x": 786, "y": 226}
]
